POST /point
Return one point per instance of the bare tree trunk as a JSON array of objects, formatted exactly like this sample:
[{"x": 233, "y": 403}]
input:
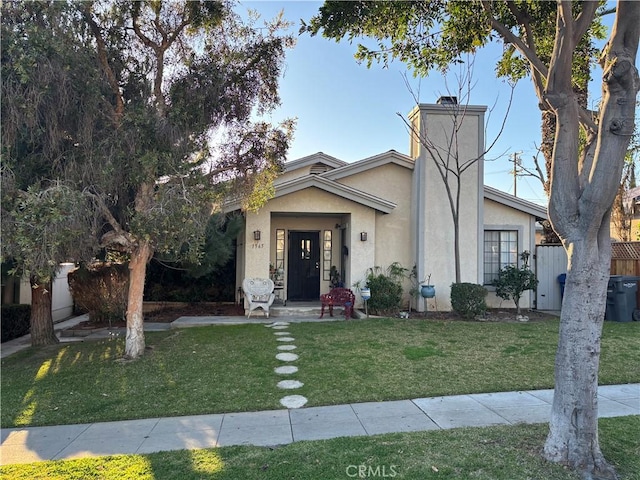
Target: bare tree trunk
[
  {"x": 573, "y": 427},
  {"x": 42, "y": 331},
  {"x": 582, "y": 193},
  {"x": 135, "y": 344}
]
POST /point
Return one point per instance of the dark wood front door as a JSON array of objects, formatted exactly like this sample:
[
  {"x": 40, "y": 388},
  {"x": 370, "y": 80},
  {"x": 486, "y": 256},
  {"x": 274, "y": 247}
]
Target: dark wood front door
[{"x": 304, "y": 266}]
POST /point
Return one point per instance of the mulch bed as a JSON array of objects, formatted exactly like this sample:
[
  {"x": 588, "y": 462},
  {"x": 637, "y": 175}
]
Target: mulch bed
[
  {"x": 169, "y": 314},
  {"x": 492, "y": 315}
]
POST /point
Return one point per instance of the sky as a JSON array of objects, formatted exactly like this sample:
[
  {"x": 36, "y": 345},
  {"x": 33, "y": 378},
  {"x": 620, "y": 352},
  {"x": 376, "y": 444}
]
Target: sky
[{"x": 351, "y": 112}]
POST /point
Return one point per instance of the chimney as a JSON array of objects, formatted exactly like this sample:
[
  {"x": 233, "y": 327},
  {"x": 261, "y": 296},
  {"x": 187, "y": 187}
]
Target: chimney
[{"x": 447, "y": 101}]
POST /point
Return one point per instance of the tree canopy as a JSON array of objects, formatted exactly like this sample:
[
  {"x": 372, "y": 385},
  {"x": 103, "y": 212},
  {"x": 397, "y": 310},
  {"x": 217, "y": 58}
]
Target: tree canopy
[{"x": 153, "y": 109}]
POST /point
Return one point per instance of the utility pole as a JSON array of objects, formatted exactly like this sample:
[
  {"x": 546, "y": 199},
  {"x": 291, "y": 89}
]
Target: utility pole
[{"x": 517, "y": 170}]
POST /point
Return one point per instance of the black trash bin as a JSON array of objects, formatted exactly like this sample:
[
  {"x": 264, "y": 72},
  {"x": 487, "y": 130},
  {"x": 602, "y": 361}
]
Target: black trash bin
[{"x": 621, "y": 298}]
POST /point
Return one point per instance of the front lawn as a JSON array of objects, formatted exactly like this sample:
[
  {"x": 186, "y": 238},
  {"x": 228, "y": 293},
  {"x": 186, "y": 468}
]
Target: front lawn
[{"x": 230, "y": 368}]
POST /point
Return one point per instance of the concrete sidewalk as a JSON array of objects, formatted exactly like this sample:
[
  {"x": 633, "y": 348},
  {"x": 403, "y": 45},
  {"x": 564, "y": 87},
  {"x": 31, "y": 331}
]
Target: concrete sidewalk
[{"x": 277, "y": 427}]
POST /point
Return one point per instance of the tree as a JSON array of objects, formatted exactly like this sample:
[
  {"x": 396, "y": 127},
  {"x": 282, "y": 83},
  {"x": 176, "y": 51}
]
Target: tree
[
  {"x": 49, "y": 105},
  {"x": 585, "y": 175},
  {"x": 179, "y": 73}
]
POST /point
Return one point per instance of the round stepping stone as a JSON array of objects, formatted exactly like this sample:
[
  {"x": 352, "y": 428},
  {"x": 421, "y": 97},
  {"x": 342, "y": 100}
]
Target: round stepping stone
[
  {"x": 293, "y": 401},
  {"x": 280, "y": 323},
  {"x": 287, "y": 347},
  {"x": 281, "y": 333},
  {"x": 280, "y": 327},
  {"x": 285, "y": 339},
  {"x": 287, "y": 357},
  {"x": 286, "y": 370},
  {"x": 289, "y": 384}
]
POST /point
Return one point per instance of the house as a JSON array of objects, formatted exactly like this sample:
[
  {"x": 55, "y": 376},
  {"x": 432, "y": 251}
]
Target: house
[{"x": 388, "y": 208}]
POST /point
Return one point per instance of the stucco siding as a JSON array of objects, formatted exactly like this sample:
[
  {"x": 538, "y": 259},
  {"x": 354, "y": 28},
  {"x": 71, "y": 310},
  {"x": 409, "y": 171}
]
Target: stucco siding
[
  {"x": 393, "y": 230},
  {"x": 293, "y": 174},
  {"x": 437, "y": 237}
]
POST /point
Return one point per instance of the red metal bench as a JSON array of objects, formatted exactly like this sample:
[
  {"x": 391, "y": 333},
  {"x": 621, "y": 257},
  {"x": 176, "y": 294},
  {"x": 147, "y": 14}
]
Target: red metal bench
[{"x": 339, "y": 297}]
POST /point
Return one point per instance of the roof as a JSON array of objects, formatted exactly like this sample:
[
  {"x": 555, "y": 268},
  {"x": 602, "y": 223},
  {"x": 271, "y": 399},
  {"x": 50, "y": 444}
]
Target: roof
[
  {"x": 330, "y": 186},
  {"x": 309, "y": 160},
  {"x": 509, "y": 200},
  {"x": 360, "y": 166}
]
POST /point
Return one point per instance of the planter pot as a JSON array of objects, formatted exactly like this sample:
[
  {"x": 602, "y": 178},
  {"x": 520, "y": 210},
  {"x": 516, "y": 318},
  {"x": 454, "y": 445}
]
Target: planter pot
[
  {"x": 365, "y": 293},
  {"x": 428, "y": 291}
]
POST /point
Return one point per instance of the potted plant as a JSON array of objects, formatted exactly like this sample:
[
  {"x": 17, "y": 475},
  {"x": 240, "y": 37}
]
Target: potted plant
[{"x": 426, "y": 289}]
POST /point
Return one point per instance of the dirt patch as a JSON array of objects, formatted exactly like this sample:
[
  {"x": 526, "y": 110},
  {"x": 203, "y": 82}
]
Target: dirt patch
[{"x": 169, "y": 314}]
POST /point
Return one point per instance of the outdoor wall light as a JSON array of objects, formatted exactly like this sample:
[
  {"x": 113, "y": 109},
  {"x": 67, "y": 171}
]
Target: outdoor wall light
[
  {"x": 363, "y": 236},
  {"x": 256, "y": 234}
]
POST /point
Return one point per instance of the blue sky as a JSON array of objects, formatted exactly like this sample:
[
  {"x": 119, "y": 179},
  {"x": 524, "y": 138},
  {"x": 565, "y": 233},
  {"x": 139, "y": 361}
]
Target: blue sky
[{"x": 350, "y": 111}]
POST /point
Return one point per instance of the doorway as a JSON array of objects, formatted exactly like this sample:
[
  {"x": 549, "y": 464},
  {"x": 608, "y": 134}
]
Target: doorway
[{"x": 304, "y": 266}]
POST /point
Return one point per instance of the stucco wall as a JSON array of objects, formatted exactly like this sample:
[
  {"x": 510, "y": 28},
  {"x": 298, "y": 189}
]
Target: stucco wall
[
  {"x": 435, "y": 233},
  {"x": 393, "y": 231},
  {"x": 293, "y": 174}
]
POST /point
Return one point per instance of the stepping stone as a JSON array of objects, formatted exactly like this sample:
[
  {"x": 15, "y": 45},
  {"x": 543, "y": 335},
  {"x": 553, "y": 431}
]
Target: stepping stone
[
  {"x": 280, "y": 323},
  {"x": 287, "y": 357},
  {"x": 287, "y": 347},
  {"x": 293, "y": 401},
  {"x": 289, "y": 384},
  {"x": 285, "y": 339},
  {"x": 286, "y": 370},
  {"x": 280, "y": 327},
  {"x": 281, "y": 333}
]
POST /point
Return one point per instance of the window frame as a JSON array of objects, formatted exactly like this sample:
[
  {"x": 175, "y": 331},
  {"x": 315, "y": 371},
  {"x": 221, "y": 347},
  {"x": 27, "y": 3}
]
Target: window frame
[{"x": 518, "y": 230}]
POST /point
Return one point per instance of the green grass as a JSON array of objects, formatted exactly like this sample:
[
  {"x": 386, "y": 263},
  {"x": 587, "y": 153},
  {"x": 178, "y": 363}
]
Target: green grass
[
  {"x": 230, "y": 368},
  {"x": 495, "y": 453}
]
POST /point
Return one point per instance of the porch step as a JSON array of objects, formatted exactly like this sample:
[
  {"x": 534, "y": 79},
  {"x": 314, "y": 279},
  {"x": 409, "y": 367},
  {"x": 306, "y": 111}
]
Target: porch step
[
  {"x": 304, "y": 310},
  {"x": 294, "y": 311}
]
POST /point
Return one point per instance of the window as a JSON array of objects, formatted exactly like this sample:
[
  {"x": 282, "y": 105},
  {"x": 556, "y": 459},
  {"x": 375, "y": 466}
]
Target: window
[
  {"x": 326, "y": 255},
  {"x": 278, "y": 276},
  {"x": 500, "y": 250}
]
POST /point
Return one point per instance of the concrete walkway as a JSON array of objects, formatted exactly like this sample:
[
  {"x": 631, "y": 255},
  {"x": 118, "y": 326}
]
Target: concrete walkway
[{"x": 277, "y": 427}]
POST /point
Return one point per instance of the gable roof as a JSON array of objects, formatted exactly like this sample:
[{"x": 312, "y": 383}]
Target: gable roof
[
  {"x": 309, "y": 160},
  {"x": 371, "y": 162},
  {"x": 509, "y": 200},
  {"x": 329, "y": 186}
]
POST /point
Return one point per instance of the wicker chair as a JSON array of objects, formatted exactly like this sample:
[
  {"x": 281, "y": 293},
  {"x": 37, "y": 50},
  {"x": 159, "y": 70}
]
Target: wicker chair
[{"x": 258, "y": 293}]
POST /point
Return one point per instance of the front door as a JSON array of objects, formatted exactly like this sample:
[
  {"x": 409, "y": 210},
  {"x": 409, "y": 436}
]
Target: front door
[{"x": 304, "y": 266}]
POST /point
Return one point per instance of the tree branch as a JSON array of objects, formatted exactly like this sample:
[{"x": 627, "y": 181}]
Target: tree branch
[{"x": 85, "y": 11}]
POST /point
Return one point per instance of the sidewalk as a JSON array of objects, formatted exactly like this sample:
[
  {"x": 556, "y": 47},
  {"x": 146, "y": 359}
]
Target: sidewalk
[{"x": 277, "y": 427}]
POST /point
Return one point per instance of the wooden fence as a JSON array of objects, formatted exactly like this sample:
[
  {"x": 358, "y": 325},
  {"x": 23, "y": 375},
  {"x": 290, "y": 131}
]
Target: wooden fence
[{"x": 625, "y": 258}]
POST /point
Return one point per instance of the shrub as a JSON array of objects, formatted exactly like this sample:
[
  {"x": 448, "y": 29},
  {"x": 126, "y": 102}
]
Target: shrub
[
  {"x": 386, "y": 289},
  {"x": 101, "y": 289},
  {"x": 15, "y": 321},
  {"x": 468, "y": 299},
  {"x": 513, "y": 281}
]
